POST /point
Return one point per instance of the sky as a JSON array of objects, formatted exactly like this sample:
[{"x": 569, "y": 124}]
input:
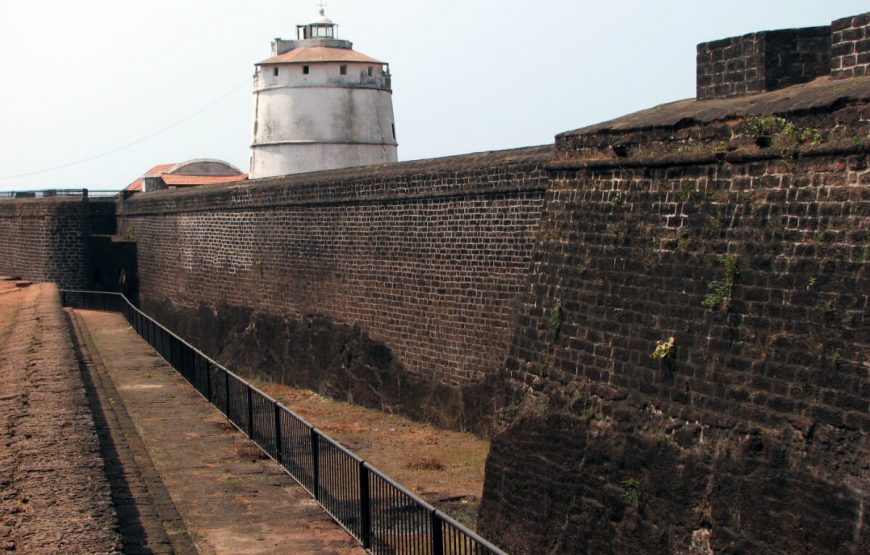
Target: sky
[{"x": 96, "y": 92}]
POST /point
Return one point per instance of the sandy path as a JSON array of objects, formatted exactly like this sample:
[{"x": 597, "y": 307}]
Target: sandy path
[{"x": 54, "y": 497}]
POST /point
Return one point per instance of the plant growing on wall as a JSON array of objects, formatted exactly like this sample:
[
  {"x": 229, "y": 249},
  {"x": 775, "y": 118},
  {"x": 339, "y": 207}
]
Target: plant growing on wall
[
  {"x": 631, "y": 492},
  {"x": 719, "y": 291},
  {"x": 764, "y": 128},
  {"x": 664, "y": 349},
  {"x": 554, "y": 324}
]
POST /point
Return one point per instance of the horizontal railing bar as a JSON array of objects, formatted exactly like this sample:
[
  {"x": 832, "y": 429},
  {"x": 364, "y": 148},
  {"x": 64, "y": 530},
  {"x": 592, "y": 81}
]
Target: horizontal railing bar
[
  {"x": 339, "y": 446},
  {"x": 446, "y": 519},
  {"x": 470, "y": 533},
  {"x": 399, "y": 487}
]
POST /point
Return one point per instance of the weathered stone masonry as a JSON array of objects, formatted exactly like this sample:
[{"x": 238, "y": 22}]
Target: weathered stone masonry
[
  {"x": 391, "y": 286},
  {"x": 850, "y": 50},
  {"x": 45, "y": 240},
  {"x": 760, "y": 62},
  {"x": 750, "y": 435}
]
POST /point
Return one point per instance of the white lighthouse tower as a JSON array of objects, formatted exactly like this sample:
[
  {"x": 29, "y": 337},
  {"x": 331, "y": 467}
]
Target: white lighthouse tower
[{"x": 319, "y": 104}]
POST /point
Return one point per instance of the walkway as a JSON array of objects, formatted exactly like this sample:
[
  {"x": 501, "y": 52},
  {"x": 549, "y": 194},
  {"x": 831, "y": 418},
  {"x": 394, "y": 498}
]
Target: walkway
[{"x": 230, "y": 499}]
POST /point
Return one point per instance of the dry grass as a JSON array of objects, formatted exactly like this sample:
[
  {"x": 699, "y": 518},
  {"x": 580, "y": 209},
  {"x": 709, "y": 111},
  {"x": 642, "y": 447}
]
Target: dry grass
[
  {"x": 435, "y": 464},
  {"x": 425, "y": 463}
]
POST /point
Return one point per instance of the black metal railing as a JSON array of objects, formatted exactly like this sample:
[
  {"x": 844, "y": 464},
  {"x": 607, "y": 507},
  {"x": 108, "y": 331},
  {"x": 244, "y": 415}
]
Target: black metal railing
[
  {"x": 47, "y": 193},
  {"x": 379, "y": 513}
]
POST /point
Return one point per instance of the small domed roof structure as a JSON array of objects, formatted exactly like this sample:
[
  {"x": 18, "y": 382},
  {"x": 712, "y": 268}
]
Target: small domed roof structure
[
  {"x": 322, "y": 19},
  {"x": 322, "y": 27},
  {"x": 199, "y": 171}
]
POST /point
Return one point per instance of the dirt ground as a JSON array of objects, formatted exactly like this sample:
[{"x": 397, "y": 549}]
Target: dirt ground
[
  {"x": 445, "y": 468},
  {"x": 54, "y": 496}
]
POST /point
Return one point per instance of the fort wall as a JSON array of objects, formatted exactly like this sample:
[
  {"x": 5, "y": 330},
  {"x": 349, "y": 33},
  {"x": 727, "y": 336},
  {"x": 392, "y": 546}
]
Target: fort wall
[
  {"x": 850, "y": 50},
  {"x": 391, "y": 286},
  {"x": 746, "y": 243},
  {"x": 45, "y": 240}
]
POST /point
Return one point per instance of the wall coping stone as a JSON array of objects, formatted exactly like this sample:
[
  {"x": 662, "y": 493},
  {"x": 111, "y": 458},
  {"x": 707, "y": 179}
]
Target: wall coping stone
[
  {"x": 733, "y": 157},
  {"x": 822, "y": 94},
  {"x": 361, "y": 184}
]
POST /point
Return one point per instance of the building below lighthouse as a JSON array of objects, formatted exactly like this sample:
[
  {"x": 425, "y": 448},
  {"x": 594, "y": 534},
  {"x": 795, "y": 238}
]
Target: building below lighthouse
[{"x": 319, "y": 105}]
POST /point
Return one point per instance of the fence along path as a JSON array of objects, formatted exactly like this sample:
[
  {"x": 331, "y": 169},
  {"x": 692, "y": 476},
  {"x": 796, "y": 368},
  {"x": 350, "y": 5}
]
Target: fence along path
[{"x": 379, "y": 513}]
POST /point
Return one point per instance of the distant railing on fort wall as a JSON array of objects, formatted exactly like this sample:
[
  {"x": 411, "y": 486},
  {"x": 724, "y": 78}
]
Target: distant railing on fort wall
[
  {"x": 48, "y": 193},
  {"x": 379, "y": 513}
]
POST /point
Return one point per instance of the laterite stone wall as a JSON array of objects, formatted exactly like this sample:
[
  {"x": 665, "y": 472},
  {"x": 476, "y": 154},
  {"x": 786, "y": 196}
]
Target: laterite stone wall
[
  {"x": 393, "y": 286},
  {"x": 749, "y": 433},
  {"x": 850, "y": 51},
  {"x": 45, "y": 240},
  {"x": 760, "y": 62}
]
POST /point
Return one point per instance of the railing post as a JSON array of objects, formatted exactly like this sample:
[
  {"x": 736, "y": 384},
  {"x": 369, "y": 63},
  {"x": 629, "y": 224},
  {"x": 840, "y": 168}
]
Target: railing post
[
  {"x": 227, "y": 389},
  {"x": 365, "y": 507},
  {"x": 437, "y": 534},
  {"x": 278, "y": 440},
  {"x": 250, "y": 413},
  {"x": 208, "y": 381},
  {"x": 315, "y": 463},
  {"x": 174, "y": 346}
]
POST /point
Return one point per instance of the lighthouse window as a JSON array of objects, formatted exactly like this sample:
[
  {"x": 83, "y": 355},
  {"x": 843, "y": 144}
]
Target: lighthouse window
[
  {"x": 276, "y": 72},
  {"x": 323, "y": 31},
  {"x": 305, "y": 70},
  {"x": 342, "y": 69}
]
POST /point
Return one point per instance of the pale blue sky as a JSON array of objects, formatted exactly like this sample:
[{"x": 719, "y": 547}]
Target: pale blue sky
[{"x": 86, "y": 77}]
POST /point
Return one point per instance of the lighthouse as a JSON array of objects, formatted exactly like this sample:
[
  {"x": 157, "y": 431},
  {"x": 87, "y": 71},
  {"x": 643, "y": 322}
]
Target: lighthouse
[{"x": 319, "y": 105}]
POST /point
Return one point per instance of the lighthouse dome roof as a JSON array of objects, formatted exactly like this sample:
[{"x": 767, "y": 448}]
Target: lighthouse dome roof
[{"x": 322, "y": 20}]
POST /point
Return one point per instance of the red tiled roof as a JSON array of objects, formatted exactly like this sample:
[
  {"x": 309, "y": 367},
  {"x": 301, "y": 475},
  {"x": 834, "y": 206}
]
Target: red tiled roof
[
  {"x": 159, "y": 168},
  {"x": 182, "y": 180},
  {"x": 176, "y": 180},
  {"x": 320, "y": 54}
]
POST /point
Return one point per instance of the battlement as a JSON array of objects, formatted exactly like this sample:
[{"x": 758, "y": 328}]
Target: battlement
[
  {"x": 771, "y": 60},
  {"x": 850, "y": 48}
]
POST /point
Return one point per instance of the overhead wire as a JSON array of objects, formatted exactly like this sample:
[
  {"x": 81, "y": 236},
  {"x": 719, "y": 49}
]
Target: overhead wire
[{"x": 132, "y": 143}]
